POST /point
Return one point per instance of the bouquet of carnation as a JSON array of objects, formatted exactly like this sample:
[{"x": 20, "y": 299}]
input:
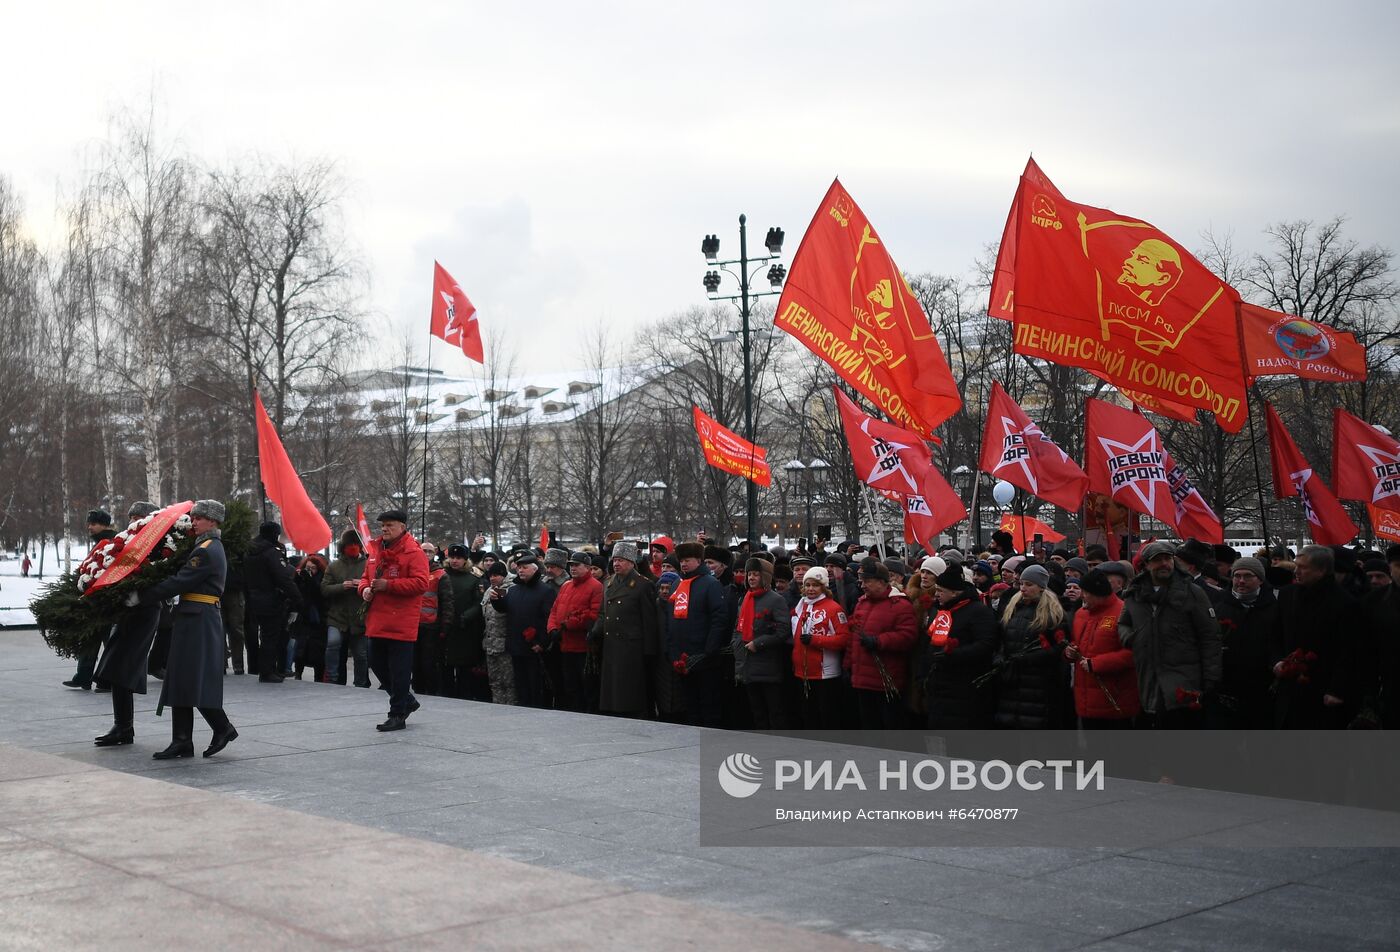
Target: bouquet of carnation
[{"x": 77, "y": 610}]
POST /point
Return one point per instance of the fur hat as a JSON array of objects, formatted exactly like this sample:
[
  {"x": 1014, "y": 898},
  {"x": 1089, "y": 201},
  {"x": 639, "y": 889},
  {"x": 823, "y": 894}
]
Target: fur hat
[
  {"x": 1036, "y": 575},
  {"x": 817, "y": 574},
  {"x": 717, "y": 553},
  {"x": 625, "y": 550},
  {"x": 393, "y": 515},
  {"x": 1097, "y": 583},
  {"x": 763, "y": 554},
  {"x": 142, "y": 509},
  {"x": 762, "y": 566},
  {"x": 350, "y": 537},
  {"x": 782, "y": 571},
  {"x": 559, "y": 557},
  {"x": 210, "y": 509},
  {"x": 690, "y": 550},
  {"x": 458, "y": 551},
  {"x": 951, "y": 578},
  {"x": 1196, "y": 553},
  {"x": 100, "y": 516},
  {"x": 270, "y": 531}
]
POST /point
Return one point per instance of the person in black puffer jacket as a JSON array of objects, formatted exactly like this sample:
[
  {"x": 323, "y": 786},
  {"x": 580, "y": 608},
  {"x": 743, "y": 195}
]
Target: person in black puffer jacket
[
  {"x": 271, "y": 593},
  {"x": 309, "y": 630},
  {"x": 1031, "y": 689},
  {"x": 526, "y": 605},
  {"x": 961, "y": 640}
]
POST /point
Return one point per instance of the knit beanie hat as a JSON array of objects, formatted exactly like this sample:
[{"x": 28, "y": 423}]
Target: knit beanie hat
[
  {"x": 1036, "y": 575},
  {"x": 1250, "y": 564}
]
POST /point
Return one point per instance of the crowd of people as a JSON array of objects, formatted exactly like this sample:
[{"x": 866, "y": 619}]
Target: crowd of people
[{"x": 1181, "y": 636}]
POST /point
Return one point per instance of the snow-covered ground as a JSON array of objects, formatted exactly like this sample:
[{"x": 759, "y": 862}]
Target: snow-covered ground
[{"x": 16, "y": 591}]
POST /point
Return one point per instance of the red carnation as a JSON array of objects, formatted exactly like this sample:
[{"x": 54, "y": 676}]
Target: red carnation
[
  {"x": 529, "y": 634},
  {"x": 1192, "y": 699}
]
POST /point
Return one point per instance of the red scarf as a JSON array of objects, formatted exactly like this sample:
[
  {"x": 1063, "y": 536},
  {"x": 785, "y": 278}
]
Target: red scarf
[
  {"x": 680, "y": 599},
  {"x": 746, "y": 618}
]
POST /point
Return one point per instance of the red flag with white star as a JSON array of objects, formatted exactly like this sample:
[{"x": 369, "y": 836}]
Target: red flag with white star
[
  {"x": 931, "y": 509},
  {"x": 1328, "y": 522},
  {"x": 1194, "y": 517},
  {"x": 454, "y": 316},
  {"x": 1015, "y": 449},
  {"x": 1125, "y": 460},
  {"x": 1365, "y": 462},
  {"x": 886, "y": 457}
]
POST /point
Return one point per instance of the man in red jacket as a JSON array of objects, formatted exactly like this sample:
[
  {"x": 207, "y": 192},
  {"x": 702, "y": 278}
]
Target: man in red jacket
[
  {"x": 574, "y": 611},
  {"x": 396, "y": 576},
  {"x": 883, "y": 631}
]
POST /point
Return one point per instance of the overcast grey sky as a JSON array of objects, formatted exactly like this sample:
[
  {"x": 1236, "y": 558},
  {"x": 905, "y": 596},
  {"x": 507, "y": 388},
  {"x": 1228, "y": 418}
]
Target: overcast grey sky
[{"x": 563, "y": 160}]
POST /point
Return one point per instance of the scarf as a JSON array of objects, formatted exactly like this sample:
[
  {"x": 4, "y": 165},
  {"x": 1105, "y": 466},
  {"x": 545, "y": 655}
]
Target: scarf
[
  {"x": 746, "y": 618},
  {"x": 680, "y": 599}
]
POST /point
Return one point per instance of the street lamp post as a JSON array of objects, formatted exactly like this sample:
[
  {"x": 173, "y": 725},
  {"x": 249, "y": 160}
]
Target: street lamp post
[
  {"x": 477, "y": 486},
  {"x": 810, "y": 471},
  {"x": 656, "y": 489},
  {"x": 710, "y": 248}
]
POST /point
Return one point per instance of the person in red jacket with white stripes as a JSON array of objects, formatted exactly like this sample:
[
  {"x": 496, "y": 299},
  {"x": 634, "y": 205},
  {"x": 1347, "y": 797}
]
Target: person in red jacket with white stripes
[
  {"x": 396, "y": 576},
  {"x": 820, "y": 635}
]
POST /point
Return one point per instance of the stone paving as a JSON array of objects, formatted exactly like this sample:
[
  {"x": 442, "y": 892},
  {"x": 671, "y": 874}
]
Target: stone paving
[{"x": 479, "y": 797}]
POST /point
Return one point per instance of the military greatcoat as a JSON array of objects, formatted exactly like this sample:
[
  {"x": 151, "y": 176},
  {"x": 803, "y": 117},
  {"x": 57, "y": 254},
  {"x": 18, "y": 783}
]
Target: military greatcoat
[{"x": 194, "y": 673}]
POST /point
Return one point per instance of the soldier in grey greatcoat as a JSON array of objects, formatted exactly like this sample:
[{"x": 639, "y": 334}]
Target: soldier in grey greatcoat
[
  {"x": 125, "y": 655},
  {"x": 194, "y": 673}
]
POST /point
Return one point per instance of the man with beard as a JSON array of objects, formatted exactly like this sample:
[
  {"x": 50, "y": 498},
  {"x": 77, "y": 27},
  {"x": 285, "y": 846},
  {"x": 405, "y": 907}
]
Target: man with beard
[
  {"x": 1169, "y": 624},
  {"x": 1247, "y": 618}
]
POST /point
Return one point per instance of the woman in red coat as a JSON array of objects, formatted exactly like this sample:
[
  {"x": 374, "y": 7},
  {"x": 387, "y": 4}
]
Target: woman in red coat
[
  {"x": 1105, "y": 680},
  {"x": 396, "y": 576},
  {"x": 820, "y": 636}
]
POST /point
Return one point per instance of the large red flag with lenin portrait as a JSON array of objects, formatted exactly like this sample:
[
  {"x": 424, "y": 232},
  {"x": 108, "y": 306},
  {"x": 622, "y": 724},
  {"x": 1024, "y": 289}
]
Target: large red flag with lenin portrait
[
  {"x": 454, "y": 315},
  {"x": 1015, "y": 449},
  {"x": 847, "y": 302},
  {"x": 1328, "y": 522},
  {"x": 1365, "y": 462},
  {"x": 1126, "y": 461},
  {"x": 1117, "y": 296},
  {"x": 728, "y": 451}
]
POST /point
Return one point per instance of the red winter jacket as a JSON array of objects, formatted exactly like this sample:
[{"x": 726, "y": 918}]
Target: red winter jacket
[
  {"x": 1096, "y": 637},
  {"x": 830, "y": 632},
  {"x": 394, "y": 613},
  {"x": 891, "y": 620},
  {"x": 575, "y": 609}
]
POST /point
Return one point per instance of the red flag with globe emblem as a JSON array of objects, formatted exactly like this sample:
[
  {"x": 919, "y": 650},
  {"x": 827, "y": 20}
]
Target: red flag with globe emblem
[
  {"x": 1328, "y": 522},
  {"x": 1284, "y": 345},
  {"x": 454, "y": 315},
  {"x": 1365, "y": 462},
  {"x": 847, "y": 302},
  {"x": 1015, "y": 449},
  {"x": 1125, "y": 460},
  {"x": 1117, "y": 296}
]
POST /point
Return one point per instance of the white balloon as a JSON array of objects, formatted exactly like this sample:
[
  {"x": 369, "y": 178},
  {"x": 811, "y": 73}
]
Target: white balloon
[{"x": 1003, "y": 492}]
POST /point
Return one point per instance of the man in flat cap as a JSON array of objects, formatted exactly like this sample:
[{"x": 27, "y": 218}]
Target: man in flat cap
[
  {"x": 396, "y": 576},
  {"x": 194, "y": 671}
]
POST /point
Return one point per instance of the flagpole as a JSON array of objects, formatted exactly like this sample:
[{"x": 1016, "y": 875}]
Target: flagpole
[
  {"x": 876, "y": 524},
  {"x": 427, "y": 415},
  {"x": 1254, "y": 455}
]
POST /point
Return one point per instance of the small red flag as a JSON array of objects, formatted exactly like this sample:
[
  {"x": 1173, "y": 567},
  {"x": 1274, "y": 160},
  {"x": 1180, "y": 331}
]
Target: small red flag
[
  {"x": 930, "y": 509},
  {"x": 1112, "y": 294},
  {"x": 728, "y": 451},
  {"x": 1002, "y": 300},
  {"x": 1024, "y": 528},
  {"x": 886, "y": 457},
  {"x": 1125, "y": 460},
  {"x": 1327, "y": 518},
  {"x": 847, "y": 302},
  {"x": 1384, "y": 523},
  {"x": 544, "y": 537},
  {"x": 301, "y": 520},
  {"x": 1282, "y": 345},
  {"x": 1365, "y": 462},
  {"x": 454, "y": 316},
  {"x": 1015, "y": 449},
  {"x": 362, "y": 527}
]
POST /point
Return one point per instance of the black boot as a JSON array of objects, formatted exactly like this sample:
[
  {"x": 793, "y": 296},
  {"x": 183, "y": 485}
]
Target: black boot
[
  {"x": 224, "y": 732},
  {"x": 122, "y": 717},
  {"x": 116, "y": 737},
  {"x": 182, "y": 730}
]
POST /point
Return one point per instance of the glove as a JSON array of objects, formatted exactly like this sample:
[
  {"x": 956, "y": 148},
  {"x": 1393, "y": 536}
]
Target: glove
[
  {"x": 806, "y": 637},
  {"x": 593, "y": 637},
  {"x": 870, "y": 642},
  {"x": 132, "y": 600},
  {"x": 292, "y": 618}
]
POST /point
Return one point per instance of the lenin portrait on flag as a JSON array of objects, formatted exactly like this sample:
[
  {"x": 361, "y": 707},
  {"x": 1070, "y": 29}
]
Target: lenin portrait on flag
[{"x": 1151, "y": 270}]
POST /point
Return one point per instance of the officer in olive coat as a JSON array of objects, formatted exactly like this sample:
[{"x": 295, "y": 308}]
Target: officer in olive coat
[
  {"x": 194, "y": 674},
  {"x": 125, "y": 655},
  {"x": 627, "y": 630}
]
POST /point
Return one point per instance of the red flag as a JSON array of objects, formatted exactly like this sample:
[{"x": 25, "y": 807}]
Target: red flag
[
  {"x": 1001, "y": 302},
  {"x": 1126, "y": 461},
  {"x": 847, "y": 302},
  {"x": 544, "y": 537},
  {"x": 1365, "y": 462},
  {"x": 454, "y": 316},
  {"x": 931, "y": 508},
  {"x": 303, "y": 522},
  {"x": 1098, "y": 290},
  {"x": 1153, "y": 404},
  {"x": 1024, "y": 528},
  {"x": 1328, "y": 521},
  {"x": 888, "y": 458},
  {"x": 1281, "y": 345},
  {"x": 728, "y": 451},
  {"x": 1384, "y": 523},
  {"x": 1015, "y": 449},
  {"x": 1194, "y": 517},
  {"x": 362, "y": 527}
]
